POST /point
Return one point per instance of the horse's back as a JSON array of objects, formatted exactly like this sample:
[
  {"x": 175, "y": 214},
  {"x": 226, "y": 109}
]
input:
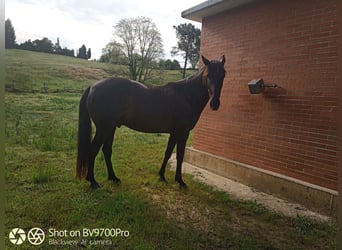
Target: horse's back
[
  {"x": 107, "y": 98},
  {"x": 110, "y": 86},
  {"x": 119, "y": 101}
]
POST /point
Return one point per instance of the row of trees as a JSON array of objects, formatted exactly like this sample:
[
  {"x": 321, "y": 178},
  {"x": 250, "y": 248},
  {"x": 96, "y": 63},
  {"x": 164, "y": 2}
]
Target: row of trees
[
  {"x": 138, "y": 44},
  {"x": 114, "y": 53},
  {"x": 168, "y": 64},
  {"x": 41, "y": 45}
]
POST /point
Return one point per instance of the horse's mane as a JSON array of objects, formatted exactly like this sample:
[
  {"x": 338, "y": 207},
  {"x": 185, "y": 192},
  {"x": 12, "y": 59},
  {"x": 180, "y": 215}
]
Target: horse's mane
[{"x": 201, "y": 72}]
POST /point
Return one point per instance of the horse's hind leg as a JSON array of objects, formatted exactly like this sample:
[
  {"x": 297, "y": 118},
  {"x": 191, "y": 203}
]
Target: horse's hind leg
[
  {"x": 107, "y": 152},
  {"x": 95, "y": 147},
  {"x": 170, "y": 146}
]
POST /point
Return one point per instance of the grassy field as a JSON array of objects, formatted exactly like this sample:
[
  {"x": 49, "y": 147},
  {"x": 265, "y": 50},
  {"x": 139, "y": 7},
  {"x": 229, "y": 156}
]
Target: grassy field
[
  {"x": 41, "y": 189},
  {"x": 30, "y": 71}
]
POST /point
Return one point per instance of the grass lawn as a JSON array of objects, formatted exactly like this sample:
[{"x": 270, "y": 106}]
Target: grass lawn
[
  {"x": 41, "y": 191},
  {"x": 141, "y": 213},
  {"x": 32, "y": 71}
]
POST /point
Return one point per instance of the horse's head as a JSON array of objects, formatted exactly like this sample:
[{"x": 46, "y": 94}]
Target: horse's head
[{"x": 214, "y": 74}]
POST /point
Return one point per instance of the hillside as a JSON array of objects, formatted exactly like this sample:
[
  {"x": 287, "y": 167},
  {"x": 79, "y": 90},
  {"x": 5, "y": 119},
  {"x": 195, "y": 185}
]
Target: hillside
[{"x": 34, "y": 71}]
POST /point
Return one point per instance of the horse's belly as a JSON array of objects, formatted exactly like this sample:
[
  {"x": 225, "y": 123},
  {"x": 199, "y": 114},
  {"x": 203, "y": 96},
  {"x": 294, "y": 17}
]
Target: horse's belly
[{"x": 149, "y": 123}]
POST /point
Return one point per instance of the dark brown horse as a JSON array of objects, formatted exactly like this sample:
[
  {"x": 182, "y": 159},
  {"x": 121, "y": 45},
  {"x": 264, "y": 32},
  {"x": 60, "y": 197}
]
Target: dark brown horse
[{"x": 173, "y": 108}]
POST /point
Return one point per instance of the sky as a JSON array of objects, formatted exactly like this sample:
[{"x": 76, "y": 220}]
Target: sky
[{"x": 91, "y": 22}]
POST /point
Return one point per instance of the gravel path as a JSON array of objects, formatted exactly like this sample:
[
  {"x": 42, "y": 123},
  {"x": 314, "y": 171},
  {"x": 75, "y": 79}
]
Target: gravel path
[{"x": 244, "y": 192}]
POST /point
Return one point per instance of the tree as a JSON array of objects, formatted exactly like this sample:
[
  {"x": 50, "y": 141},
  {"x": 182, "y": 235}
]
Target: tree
[
  {"x": 141, "y": 43},
  {"x": 175, "y": 64},
  {"x": 57, "y": 49},
  {"x": 82, "y": 52},
  {"x": 9, "y": 35},
  {"x": 68, "y": 52},
  {"x": 114, "y": 53},
  {"x": 168, "y": 64},
  {"x": 89, "y": 53},
  {"x": 188, "y": 44},
  {"x": 43, "y": 45},
  {"x": 28, "y": 45}
]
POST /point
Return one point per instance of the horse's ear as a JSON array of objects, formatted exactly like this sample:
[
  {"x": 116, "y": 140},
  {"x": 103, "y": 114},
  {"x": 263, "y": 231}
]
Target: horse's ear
[
  {"x": 205, "y": 61},
  {"x": 222, "y": 60}
]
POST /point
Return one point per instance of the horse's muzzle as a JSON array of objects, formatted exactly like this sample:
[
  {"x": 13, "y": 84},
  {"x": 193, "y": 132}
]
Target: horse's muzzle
[{"x": 215, "y": 104}]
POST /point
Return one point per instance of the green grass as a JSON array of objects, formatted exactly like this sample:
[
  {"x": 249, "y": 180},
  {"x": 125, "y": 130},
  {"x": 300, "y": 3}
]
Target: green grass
[
  {"x": 32, "y": 71},
  {"x": 42, "y": 191}
]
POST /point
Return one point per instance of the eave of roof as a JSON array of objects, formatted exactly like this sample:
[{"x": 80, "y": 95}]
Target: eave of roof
[{"x": 212, "y": 7}]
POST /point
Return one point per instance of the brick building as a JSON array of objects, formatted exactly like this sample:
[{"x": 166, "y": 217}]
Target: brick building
[{"x": 284, "y": 140}]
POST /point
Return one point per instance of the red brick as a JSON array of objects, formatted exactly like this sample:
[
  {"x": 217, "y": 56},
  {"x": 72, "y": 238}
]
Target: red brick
[{"x": 292, "y": 130}]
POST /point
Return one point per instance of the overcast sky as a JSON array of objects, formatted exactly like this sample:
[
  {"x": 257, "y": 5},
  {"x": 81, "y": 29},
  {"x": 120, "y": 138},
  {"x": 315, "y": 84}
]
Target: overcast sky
[{"x": 91, "y": 22}]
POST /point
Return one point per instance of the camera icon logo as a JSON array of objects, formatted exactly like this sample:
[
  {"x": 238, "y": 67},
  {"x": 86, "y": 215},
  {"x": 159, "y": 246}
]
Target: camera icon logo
[
  {"x": 36, "y": 236},
  {"x": 17, "y": 236}
]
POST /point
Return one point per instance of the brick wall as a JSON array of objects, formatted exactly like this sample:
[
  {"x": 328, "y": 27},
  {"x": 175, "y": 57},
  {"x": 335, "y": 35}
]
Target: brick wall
[{"x": 291, "y": 130}]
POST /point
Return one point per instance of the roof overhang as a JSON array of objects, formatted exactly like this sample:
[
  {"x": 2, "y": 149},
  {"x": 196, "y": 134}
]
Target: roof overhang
[{"x": 212, "y": 7}]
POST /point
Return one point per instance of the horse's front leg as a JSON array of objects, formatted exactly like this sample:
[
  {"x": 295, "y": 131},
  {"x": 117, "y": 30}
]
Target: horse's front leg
[
  {"x": 169, "y": 149},
  {"x": 181, "y": 143}
]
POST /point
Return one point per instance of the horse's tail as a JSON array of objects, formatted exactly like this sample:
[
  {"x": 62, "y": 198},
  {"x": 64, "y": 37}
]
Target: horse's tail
[{"x": 84, "y": 137}]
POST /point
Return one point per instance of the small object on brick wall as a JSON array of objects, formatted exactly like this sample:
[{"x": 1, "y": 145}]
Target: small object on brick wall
[{"x": 257, "y": 86}]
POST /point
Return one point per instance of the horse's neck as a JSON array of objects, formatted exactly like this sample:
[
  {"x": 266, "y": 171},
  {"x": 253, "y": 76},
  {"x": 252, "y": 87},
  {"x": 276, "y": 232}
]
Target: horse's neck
[
  {"x": 195, "y": 77},
  {"x": 196, "y": 91}
]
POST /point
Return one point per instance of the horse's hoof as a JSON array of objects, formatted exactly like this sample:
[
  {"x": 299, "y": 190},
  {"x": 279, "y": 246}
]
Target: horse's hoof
[
  {"x": 162, "y": 179},
  {"x": 116, "y": 181},
  {"x": 94, "y": 185},
  {"x": 183, "y": 186}
]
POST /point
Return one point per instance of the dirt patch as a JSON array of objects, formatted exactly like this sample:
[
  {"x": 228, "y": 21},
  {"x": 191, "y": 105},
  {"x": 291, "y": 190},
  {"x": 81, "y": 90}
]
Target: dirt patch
[
  {"x": 244, "y": 192},
  {"x": 79, "y": 73}
]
